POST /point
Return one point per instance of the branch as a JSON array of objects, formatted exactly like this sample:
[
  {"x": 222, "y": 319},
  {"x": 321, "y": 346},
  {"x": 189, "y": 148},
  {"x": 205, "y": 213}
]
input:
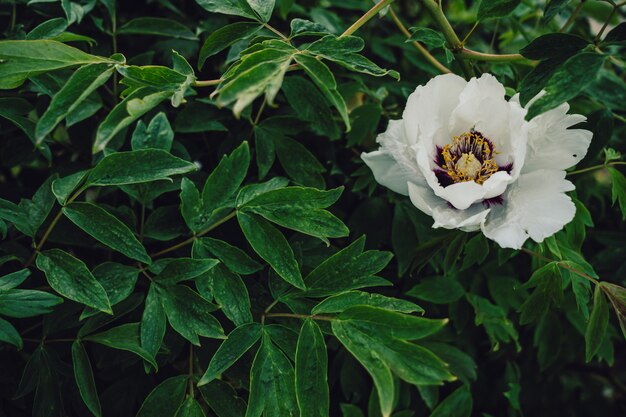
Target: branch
[{"x": 366, "y": 17}]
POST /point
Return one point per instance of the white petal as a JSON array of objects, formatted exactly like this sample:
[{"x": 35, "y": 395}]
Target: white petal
[
  {"x": 535, "y": 206},
  {"x": 429, "y": 107},
  {"x": 447, "y": 217},
  {"x": 395, "y": 142},
  {"x": 462, "y": 194},
  {"x": 387, "y": 171},
  {"x": 551, "y": 145},
  {"x": 496, "y": 184}
]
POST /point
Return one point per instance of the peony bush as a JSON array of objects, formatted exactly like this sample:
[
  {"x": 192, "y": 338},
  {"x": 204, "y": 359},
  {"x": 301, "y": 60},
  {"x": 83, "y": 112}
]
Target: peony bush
[{"x": 273, "y": 208}]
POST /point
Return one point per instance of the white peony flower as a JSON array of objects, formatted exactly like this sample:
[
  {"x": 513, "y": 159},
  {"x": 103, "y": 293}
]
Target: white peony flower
[{"x": 466, "y": 156}]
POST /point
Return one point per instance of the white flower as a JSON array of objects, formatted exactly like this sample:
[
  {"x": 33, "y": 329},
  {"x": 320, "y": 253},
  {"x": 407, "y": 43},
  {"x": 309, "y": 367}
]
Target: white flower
[{"x": 466, "y": 156}]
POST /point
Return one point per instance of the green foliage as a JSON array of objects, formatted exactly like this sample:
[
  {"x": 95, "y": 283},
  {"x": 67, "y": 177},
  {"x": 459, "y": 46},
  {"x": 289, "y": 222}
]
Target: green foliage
[{"x": 187, "y": 229}]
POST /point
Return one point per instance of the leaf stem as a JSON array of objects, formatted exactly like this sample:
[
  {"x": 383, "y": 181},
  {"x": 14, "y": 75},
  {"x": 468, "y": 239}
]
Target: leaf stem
[
  {"x": 419, "y": 46},
  {"x": 572, "y": 18},
  {"x": 366, "y": 17},
  {"x": 606, "y": 23},
  {"x": 276, "y": 31},
  {"x": 595, "y": 167},
  {"x": 301, "y": 316},
  {"x": 195, "y": 236},
  {"x": 481, "y": 56},
  {"x": 191, "y": 392},
  {"x": 436, "y": 12},
  {"x": 562, "y": 265},
  {"x": 206, "y": 83}
]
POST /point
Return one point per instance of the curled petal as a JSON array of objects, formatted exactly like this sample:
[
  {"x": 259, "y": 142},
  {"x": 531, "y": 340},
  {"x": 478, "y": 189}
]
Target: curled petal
[
  {"x": 387, "y": 171},
  {"x": 535, "y": 206}
]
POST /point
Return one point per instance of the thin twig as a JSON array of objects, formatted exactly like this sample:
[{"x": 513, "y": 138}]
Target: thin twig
[
  {"x": 562, "y": 265},
  {"x": 301, "y": 316},
  {"x": 595, "y": 167},
  {"x": 366, "y": 17}
]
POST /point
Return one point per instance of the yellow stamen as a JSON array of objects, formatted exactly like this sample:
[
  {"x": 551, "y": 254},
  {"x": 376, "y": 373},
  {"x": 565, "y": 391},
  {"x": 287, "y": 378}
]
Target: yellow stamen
[{"x": 462, "y": 158}]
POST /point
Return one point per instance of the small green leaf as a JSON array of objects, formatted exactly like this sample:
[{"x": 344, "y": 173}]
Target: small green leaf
[
  {"x": 226, "y": 178},
  {"x": 70, "y": 277},
  {"x": 189, "y": 314},
  {"x": 124, "y": 337},
  {"x": 229, "y": 292},
  {"x": 156, "y": 26},
  {"x": 598, "y": 324},
  {"x": 79, "y": 86},
  {"x": 496, "y": 8},
  {"x": 618, "y": 190},
  {"x": 457, "y": 404},
  {"x": 311, "y": 372},
  {"x": 107, "y": 229},
  {"x": 341, "y": 302},
  {"x": 224, "y": 37},
  {"x": 234, "y": 258},
  {"x": 239, "y": 341},
  {"x": 153, "y": 323},
  {"x": 272, "y": 246},
  {"x": 84, "y": 378},
  {"x": 223, "y": 399},
  {"x": 27, "y": 303},
  {"x": 230, "y": 7},
  {"x": 427, "y": 36},
  {"x": 617, "y": 297},
  {"x": 9, "y": 334},
  {"x": 13, "y": 279},
  {"x": 165, "y": 399},
  {"x": 136, "y": 167},
  {"x": 156, "y": 135},
  {"x": 184, "y": 269},
  {"x": 20, "y": 60},
  {"x": 438, "y": 290}
]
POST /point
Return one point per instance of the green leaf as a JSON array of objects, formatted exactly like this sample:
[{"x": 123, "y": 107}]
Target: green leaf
[
  {"x": 392, "y": 323},
  {"x": 156, "y": 135},
  {"x": 300, "y": 209},
  {"x": 343, "y": 51},
  {"x": 427, "y": 36},
  {"x": 190, "y": 408},
  {"x": 223, "y": 399},
  {"x": 13, "y": 279},
  {"x": 324, "y": 79},
  {"x": 239, "y": 341},
  {"x": 153, "y": 323},
  {"x": 569, "y": 80},
  {"x": 229, "y": 292},
  {"x": 297, "y": 161},
  {"x": 272, "y": 246},
  {"x": 136, "y": 167},
  {"x": 20, "y": 60},
  {"x": 496, "y": 8},
  {"x": 124, "y": 337},
  {"x": 79, "y": 86},
  {"x": 617, "y": 35},
  {"x": 189, "y": 314},
  {"x": 165, "y": 399},
  {"x": 311, "y": 372},
  {"x": 134, "y": 105},
  {"x": 117, "y": 280},
  {"x": 234, "y": 258},
  {"x": 553, "y": 45},
  {"x": 438, "y": 290},
  {"x": 84, "y": 378},
  {"x": 348, "y": 269},
  {"x": 184, "y": 269},
  {"x": 226, "y": 178},
  {"x": 457, "y": 404},
  {"x": 224, "y": 37},
  {"x": 156, "y": 26},
  {"x": 498, "y": 327},
  {"x": 230, "y": 7},
  {"x": 9, "y": 334},
  {"x": 618, "y": 190},
  {"x": 617, "y": 297},
  {"x": 341, "y": 302},
  {"x": 272, "y": 388},
  {"x": 259, "y": 72},
  {"x": 62, "y": 188},
  {"x": 70, "y": 277},
  {"x": 598, "y": 324},
  {"x": 549, "y": 292},
  {"x": 107, "y": 229},
  {"x": 27, "y": 303}
]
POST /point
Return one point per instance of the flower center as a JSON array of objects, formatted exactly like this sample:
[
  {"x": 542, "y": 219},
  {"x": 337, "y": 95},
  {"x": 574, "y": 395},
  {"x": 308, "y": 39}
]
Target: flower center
[{"x": 470, "y": 157}]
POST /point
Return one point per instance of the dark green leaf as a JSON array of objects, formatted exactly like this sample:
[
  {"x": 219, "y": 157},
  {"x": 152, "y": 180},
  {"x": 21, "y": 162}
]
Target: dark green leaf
[
  {"x": 224, "y": 37},
  {"x": 598, "y": 323},
  {"x": 27, "y": 303},
  {"x": 13, "y": 279},
  {"x": 184, "y": 269},
  {"x": 70, "y": 277},
  {"x": 311, "y": 372},
  {"x": 137, "y": 167},
  {"x": 427, "y": 36},
  {"x": 229, "y": 292},
  {"x": 9, "y": 334},
  {"x": 84, "y": 378},
  {"x": 190, "y": 408},
  {"x": 618, "y": 190},
  {"x": 124, "y": 337},
  {"x": 153, "y": 323},
  {"x": 496, "y": 8},
  {"x": 106, "y": 228},
  {"x": 223, "y": 399},
  {"x": 234, "y": 258},
  {"x": 165, "y": 399},
  {"x": 457, "y": 404},
  {"x": 341, "y": 302},
  {"x": 156, "y": 26},
  {"x": 239, "y": 341},
  {"x": 553, "y": 45},
  {"x": 438, "y": 290},
  {"x": 231, "y": 7},
  {"x": 156, "y": 135}
]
